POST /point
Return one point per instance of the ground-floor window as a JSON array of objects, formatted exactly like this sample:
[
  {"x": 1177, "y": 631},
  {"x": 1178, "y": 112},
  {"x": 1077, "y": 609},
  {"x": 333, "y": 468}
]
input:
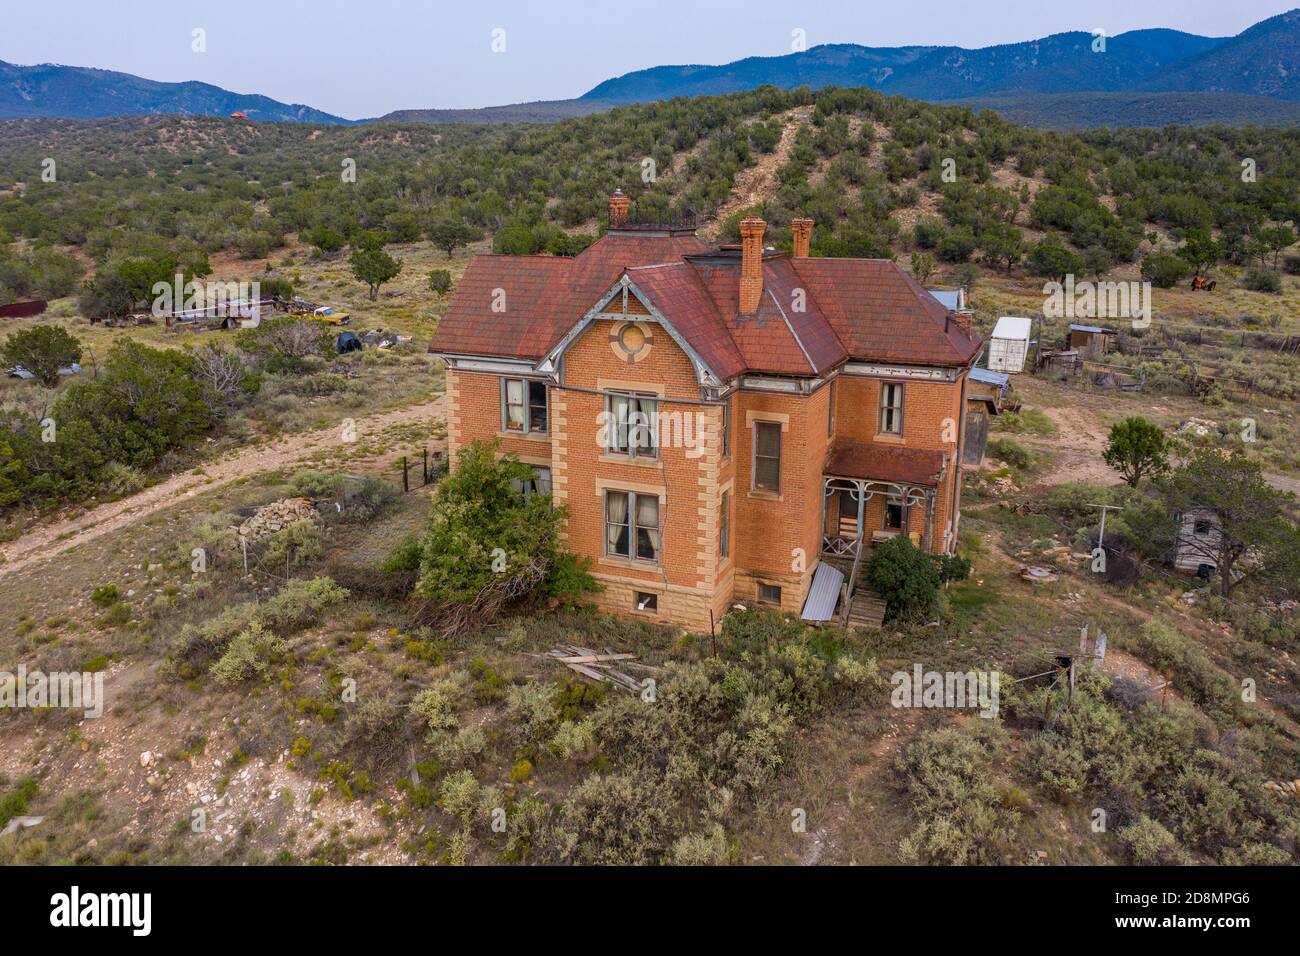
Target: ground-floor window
[
  {"x": 769, "y": 594},
  {"x": 645, "y": 601},
  {"x": 539, "y": 484},
  {"x": 632, "y": 525}
]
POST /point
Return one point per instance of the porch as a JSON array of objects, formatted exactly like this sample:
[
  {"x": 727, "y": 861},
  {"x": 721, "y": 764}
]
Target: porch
[
  {"x": 870, "y": 494},
  {"x": 873, "y": 493}
]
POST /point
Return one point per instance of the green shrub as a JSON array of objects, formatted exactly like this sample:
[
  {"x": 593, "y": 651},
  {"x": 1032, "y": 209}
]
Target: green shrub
[
  {"x": 315, "y": 484},
  {"x": 1263, "y": 280},
  {"x": 1012, "y": 452},
  {"x": 197, "y": 644},
  {"x": 105, "y": 595},
  {"x": 14, "y": 803},
  {"x": 906, "y": 577},
  {"x": 301, "y": 603},
  {"x": 1148, "y": 842},
  {"x": 296, "y": 545},
  {"x": 1164, "y": 271},
  {"x": 959, "y": 816},
  {"x": 440, "y": 281},
  {"x": 701, "y": 849},
  {"x": 248, "y": 655}
]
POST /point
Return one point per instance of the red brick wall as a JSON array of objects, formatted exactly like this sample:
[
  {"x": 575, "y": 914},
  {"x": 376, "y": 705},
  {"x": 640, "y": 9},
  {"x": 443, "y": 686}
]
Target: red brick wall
[{"x": 927, "y": 408}]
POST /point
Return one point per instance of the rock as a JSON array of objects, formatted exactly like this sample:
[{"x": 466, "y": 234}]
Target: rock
[
  {"x": 1036, "y": 574},
  {"x": 147, "y": 759},
  {"x": 277, "y": 516}
]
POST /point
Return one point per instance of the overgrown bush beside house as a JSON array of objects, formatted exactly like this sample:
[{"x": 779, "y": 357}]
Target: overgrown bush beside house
[
  {"x": 489, "y": 543},
  {"x": 909, "y": 578}
]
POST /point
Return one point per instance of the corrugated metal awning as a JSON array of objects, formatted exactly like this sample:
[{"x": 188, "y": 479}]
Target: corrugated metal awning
[{"x": 824, "y": 593}]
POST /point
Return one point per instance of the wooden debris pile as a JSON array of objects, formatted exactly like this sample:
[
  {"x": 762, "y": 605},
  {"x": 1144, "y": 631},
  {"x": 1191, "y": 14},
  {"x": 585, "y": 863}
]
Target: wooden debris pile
[{"x": 600, "y": 666}]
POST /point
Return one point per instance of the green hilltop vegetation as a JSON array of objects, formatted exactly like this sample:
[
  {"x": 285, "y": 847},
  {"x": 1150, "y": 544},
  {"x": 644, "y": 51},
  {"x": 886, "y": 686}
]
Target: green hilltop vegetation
[{"x": 862, "y": 165}]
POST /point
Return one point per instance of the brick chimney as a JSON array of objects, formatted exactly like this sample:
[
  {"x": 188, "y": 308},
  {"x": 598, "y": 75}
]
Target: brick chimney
[
  {"x": 964, "y": 319},
  {"x": 802, "y": 230},
  {"x": 751, "y": 264},
  {"x": 618, "y": 206}
]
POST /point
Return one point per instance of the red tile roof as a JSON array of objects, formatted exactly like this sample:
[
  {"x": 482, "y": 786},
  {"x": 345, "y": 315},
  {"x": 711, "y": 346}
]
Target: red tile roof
[
  {"x": 847, "y": 458},
  {"x": 813, "y": 315},
  {"x": 881, "y": 314}
]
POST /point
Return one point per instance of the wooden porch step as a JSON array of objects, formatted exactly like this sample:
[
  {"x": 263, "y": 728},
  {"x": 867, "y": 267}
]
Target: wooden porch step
[{"x": 866, "y": 608}]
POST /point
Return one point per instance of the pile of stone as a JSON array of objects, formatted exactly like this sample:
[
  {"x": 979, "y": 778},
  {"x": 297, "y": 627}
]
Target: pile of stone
[
  {"x": 277, "y": 516},
  {"x": 1284, "y": 788},
  {"x": 1200, "y": 427}
]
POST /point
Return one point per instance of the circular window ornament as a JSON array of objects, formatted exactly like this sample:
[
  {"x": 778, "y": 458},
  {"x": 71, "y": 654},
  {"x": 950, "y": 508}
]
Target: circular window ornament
[{"x": 631, "y": 341}]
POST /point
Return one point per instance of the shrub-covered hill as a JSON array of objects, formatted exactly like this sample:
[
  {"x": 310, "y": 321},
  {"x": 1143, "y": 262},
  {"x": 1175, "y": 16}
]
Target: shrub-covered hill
[{"x": 880, "y": 174}]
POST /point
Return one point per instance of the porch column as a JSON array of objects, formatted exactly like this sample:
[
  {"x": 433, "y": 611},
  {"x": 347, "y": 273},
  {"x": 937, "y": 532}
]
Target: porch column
[
  {"x": 861, "y": 495},
  {"x": 825, "y": 495}
]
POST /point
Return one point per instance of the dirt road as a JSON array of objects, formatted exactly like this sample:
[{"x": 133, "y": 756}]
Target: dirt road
[{"x": 47, "y": 540}]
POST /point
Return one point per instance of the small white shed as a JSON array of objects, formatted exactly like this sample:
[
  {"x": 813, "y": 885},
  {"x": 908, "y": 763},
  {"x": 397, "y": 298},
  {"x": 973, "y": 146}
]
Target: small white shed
[{"x": 1009, "y": 345}]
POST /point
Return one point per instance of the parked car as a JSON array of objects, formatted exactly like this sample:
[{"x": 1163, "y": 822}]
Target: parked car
[{"x": 327, "y": 313}]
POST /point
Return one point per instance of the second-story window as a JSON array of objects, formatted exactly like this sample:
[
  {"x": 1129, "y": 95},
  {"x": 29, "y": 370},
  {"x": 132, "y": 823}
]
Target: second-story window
[
  {"x": 523, "y": 405},
  {"x": 767, "y": 456},
  {"x": 891, "y": 408},
  {"x": 726, "y": 429},
  {"x": 830, "y": 415},
  {"x": 632, "y": 424}
]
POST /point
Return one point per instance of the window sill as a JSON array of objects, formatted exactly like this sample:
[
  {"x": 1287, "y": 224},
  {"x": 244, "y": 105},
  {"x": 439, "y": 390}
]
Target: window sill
[
  {"x": 640, "y": 462},
  {"x": 766, "y": 495},
  {"x": 616, "y": 562},
  {"x": 889, "y": 438},
  {"x": 527, "y": 436}
]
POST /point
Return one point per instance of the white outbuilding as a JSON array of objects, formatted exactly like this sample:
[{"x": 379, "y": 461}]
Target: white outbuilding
[{"x": 1009, "y": 345}]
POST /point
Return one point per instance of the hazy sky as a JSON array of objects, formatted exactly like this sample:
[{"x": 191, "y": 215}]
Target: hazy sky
[{"x": 361, "y": 58}]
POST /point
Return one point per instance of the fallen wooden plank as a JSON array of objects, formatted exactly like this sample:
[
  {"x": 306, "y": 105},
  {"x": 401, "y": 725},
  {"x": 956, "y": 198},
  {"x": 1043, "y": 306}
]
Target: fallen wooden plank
[{"x": 597, "y": 658}]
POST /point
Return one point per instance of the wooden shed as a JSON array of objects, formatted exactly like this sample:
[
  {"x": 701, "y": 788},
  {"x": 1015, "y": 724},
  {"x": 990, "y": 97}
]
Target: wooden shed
[{"x": 1091, "y": 341}]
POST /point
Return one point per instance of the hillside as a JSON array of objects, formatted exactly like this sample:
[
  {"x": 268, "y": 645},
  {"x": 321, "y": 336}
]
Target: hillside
[
  {"x": 77, "y": 92},
  {"x": 1127, "y": 110},
  {"x": 1263, "y": 60}
]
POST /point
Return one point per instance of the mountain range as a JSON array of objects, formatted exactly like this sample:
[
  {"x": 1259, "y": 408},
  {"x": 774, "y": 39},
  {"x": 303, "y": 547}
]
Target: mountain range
[
  {"x": 1143, "y": 77},
  {"x": 78, "y": 92}
]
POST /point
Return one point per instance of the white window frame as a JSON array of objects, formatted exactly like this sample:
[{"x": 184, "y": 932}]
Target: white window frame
[{"x": 895, "y": 409}]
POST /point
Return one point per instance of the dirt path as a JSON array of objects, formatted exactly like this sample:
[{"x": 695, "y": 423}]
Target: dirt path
[
  {"x": 758, "y": 183},
  {"x": 47, "y": 540}
]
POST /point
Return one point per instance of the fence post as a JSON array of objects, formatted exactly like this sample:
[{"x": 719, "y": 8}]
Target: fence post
[
  {"x": 426, "y": 464},
  {"x": 406, "y": 485}
]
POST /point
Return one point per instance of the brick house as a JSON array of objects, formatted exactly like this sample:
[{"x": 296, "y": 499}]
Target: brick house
[{"x": 730, "y": 424}]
